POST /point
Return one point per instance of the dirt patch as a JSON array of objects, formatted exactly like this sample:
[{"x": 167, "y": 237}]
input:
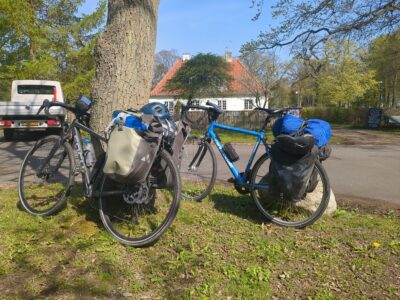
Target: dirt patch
[
  {"x": 364, "y": 137},
  {"x": 372, "y": 206}
]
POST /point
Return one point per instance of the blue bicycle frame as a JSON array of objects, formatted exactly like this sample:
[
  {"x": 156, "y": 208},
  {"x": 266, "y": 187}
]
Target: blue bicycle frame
[{"x": 239, "y": 177}]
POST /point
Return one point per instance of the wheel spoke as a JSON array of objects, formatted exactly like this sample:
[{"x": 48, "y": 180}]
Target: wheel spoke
[
  {"x": 278, "y": 208},
  {"x": 145, "y": 212},
  {"x": 197, "y": 180},
  {"x": 45, "y": 194}
]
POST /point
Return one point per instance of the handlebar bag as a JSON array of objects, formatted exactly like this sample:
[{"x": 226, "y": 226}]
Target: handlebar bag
[{"x": 130, "y": 155}]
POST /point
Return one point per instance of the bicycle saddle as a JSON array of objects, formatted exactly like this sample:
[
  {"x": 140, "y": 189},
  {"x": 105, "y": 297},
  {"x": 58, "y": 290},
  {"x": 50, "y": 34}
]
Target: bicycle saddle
[{"x": 272, "y": 111}]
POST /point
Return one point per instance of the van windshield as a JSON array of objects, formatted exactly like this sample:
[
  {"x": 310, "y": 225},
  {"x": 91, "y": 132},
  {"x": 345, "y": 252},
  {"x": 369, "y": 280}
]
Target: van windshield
[{"x": 35, "y": 89}]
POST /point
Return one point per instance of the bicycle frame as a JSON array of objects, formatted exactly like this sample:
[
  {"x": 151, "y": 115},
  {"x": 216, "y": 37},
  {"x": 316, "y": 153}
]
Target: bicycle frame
[
  {"x": 87, "y": 176},
  {"x": 239, "y": 177},
  {"x": 88, "y": 179}
]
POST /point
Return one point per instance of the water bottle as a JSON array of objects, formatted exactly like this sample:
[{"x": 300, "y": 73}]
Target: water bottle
[
  {"x": 130, "y": 121},
  {"x": 88, "y": 152},
  {"x": 135, "y": 122}
]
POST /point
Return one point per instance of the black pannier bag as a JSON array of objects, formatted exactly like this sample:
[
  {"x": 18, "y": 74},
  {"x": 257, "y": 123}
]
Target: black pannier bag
[
  {"x": 174, "y": 145},
  {"x": 182, "y": 133},
  {"x": 292, "y": 165},
  {"x": 324, "y": 152}
]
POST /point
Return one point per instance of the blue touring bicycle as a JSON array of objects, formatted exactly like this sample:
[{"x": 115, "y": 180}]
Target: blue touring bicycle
[{"x": 199, "y": 171}]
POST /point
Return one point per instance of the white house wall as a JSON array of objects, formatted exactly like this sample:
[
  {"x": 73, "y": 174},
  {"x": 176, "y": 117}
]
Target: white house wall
[{"x": 232, "y": 103}]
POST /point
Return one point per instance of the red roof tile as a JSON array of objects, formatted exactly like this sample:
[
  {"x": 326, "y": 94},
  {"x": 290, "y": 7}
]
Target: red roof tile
[{"x": 243, "y": 83}]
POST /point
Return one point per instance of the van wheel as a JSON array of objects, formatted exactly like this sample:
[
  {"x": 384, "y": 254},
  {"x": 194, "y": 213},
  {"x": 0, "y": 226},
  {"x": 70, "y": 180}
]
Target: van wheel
[{"x": 8, "y": 134}]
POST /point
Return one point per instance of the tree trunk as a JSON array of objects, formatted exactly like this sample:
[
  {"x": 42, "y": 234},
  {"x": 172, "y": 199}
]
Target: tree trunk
[
  {"x": 124, "y": 59},
  {"x": 394, "y": 90}
]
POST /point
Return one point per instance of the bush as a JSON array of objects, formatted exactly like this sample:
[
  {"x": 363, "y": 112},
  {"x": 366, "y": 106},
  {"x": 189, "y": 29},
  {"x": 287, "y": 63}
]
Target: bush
[{"x": 336, "y": 115}]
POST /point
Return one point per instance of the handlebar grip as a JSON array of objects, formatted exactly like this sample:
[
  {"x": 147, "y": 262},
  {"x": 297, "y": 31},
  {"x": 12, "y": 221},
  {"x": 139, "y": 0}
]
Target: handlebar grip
[
  {"x": 218, "y": 109},
  {"x": 45, "y": 105}
]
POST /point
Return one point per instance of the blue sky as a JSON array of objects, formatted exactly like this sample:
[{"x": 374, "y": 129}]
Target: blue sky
[{"x": 214, "y": 26}]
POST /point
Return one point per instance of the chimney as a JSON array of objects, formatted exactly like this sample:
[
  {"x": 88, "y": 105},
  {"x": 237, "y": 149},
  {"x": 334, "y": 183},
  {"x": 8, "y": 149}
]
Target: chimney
[
  {"x": 228, "y": 56},
  {"x": 185, "y": 57}
]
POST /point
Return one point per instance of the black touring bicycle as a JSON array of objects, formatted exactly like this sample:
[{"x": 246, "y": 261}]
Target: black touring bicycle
[{"x": 136, "y": 214}]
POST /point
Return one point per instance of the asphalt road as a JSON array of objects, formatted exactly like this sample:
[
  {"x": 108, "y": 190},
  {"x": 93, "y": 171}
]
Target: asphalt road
[{"x": 370, "y": 171}]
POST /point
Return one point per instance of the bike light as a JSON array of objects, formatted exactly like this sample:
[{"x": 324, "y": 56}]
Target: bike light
[
  {"x": 6, "y": 123},
  {"x": 54, "y": 94},
  {"x": 53, "y": 123}
]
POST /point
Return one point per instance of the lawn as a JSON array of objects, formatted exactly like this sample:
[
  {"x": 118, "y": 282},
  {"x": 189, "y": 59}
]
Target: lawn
[
  {"x": 389, "y": 130},
  {"x": 338, "y": 137},
  {"x": 234, "y": 137},
  {"x": 219, "y": 249}
]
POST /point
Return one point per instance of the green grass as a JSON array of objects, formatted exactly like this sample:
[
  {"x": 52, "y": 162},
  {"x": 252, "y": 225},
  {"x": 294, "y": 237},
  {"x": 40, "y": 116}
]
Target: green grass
[
  {"x": 390, "y": 130},
  {"x": 234, "y": 137},
  {"x": 219, "y": 249}
]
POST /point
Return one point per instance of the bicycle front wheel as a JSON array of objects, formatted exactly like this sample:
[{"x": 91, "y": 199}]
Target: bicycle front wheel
[
  {"x": 198, "y": 169},
  {"x": 284, "y": 212},
  {"x": 141, "y": 213},
  {"x": 46, "y": 176}
]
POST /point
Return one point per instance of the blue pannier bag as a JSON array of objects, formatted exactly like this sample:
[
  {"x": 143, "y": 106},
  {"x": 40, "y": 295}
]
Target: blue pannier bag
[
  {"x": 287, "y": 124},
  {"x": 320, "y": 130}
]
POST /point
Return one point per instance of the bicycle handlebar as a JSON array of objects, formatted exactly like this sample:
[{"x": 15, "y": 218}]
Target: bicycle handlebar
[
  {"x": 218, "y": 109},
  {"x": 211, "y": 106},
  {"x": 47, "y": 104}
]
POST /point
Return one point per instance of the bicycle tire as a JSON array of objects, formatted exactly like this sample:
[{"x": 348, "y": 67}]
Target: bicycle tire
[
  {"x": 287, "y": 208},
  {"x": 54, "y": 178},
  {"x": 197, "y": 187},
  {"x": 109, "y": 206}
]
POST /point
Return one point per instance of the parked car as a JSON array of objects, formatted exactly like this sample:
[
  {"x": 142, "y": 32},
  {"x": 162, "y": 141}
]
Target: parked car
[{"x": 20, "y": 114}]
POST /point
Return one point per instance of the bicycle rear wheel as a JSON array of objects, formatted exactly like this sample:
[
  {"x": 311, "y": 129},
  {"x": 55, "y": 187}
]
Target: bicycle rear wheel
[
  {"x": 284, "y": 212},
  {"x": 143, "y": 211},
  {"x": 46, "y": 176},
  {"x": 198, "y": 169}
]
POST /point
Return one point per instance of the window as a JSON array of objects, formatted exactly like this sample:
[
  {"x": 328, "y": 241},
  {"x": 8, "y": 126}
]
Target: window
[
  {"x": 35, "y": 89},
  {"x": 195, "y": 102},
  {"x": 170, "y": 106},
  {"x": 222, "y": 104},
  {"x": 248, "y": 104}
]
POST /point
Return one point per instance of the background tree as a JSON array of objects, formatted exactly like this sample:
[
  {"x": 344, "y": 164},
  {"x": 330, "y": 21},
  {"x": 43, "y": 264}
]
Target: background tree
[
  {"x": 124, "y": 58},
  {"x": 342, "y": 78},
  {"x": 345, "y": 77},
  {"x": 384, "y": 57},
  {"x": 306, "y": 25},
  {"x": 202, "y": 76},
  {"x": 47, "y": 40},
  {"x": 163, "y": 61},
  {"x": 270, "y": 71}
]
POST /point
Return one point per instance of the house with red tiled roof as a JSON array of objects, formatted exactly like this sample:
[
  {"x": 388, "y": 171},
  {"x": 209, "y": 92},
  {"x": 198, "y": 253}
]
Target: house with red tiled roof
[{"x": 244, "y": 88}]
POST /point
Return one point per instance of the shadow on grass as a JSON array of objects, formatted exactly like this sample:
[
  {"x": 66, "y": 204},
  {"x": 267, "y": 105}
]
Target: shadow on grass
[
  {"x": 239, "y": 205},
  {"x": 51, "y": 262},
  {"x": 61, "y": 279},
  {"x": 88, "y": 207}
]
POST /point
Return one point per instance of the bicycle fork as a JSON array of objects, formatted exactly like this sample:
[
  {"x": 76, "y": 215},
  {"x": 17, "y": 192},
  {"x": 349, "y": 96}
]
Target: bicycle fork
[{"x": 201, "y": 152}]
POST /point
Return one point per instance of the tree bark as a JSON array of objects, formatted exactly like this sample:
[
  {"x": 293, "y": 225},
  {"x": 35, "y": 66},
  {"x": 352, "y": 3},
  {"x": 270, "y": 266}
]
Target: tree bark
[{"x": 124, "y": 59}]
